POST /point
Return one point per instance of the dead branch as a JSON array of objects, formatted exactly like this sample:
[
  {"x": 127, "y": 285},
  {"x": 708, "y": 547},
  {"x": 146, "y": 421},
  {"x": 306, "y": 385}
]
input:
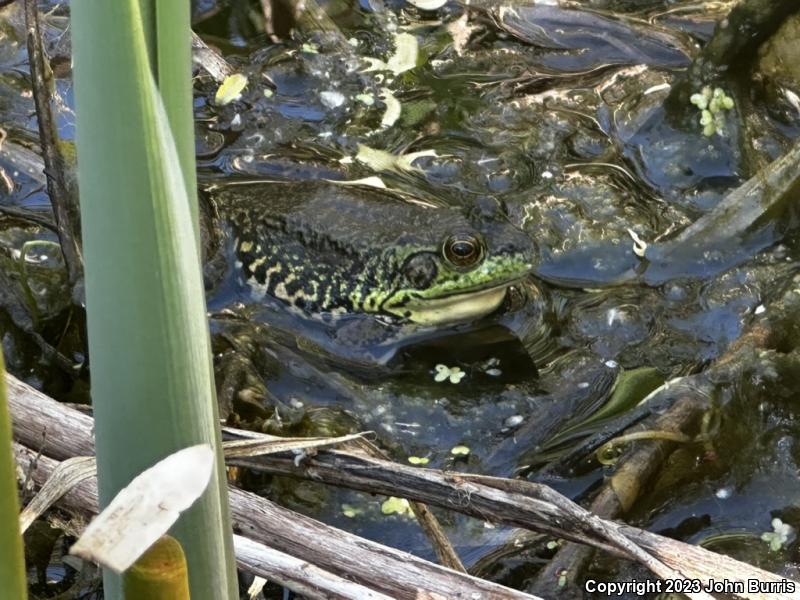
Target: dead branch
[
  {"x": 298, "y": 574},
  {"x": 309, "y": 17},
  {"x": 619, "y": 494},
  {"x": 63, "y": 199},
  {"x": 269, "y": 25},
  {"x": 70, "y": 434},
  {"x": 445, "y": 552},
  {"x": 210, "y": 60},
  {"x": 252, "y": 444}
]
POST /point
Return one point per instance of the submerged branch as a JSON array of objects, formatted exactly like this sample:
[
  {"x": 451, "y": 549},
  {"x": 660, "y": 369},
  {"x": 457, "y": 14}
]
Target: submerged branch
[
  {"x": 445, "y": 552},
  {"x": 210, "y": 60},
  {"x": 63, "y": 199},
  {"x": 619, "y": 493},
  {"x": 310, "y": 17},
  {"x": 716, "y": 237}
]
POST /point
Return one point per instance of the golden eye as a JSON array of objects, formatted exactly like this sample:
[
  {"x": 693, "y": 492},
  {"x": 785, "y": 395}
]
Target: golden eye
[{"x": 463, "y": 250}]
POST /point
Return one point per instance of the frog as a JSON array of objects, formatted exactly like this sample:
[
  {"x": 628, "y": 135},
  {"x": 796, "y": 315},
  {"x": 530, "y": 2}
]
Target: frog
[
  {"x": 360, "y": 272},
  {"x": 329, "y": 250}
]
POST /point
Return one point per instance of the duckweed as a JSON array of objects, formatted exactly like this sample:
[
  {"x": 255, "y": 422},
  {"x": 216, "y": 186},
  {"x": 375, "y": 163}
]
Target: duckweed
[{"x": 712, "y": 106}]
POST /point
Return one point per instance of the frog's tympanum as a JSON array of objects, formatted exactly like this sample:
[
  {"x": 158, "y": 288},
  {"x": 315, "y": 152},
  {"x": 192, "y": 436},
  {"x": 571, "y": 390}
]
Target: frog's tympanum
[{"x": 327, "y": 249}]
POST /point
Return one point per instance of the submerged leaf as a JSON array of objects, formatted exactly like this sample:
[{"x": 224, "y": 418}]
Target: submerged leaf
[
  {"x": 394, "y": 505},
  {"x": 393, "y": 108},
  {"x": 405, "y": 54}
]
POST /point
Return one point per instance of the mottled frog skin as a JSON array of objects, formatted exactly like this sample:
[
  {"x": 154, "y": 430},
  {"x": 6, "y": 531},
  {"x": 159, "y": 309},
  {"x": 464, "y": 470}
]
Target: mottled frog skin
[{"x": 329, "y": 249}]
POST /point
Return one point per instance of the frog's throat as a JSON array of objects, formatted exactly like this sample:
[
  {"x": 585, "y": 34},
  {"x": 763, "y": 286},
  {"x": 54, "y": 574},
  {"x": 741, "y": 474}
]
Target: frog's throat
[{"x": 449, "y": 309}]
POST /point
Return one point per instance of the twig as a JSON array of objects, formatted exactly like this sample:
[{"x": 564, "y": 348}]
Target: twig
[
  {"x": 269, "y": 25},
  {"x": 64, "y": 477},
  {"x": 63, "y": 201},
  {"x": 445, "y": 552},
  {"x": 619, "y": 494},
  {"x": 309, "y": 549},
  {"x": 592, "y": 522},
  {"x": 29, "y": 215},
  {"x": 24, "y": 160},
  {"x": 210, "y": 60},
  {"x": 311, "y": 17},
  {"x": 636, "y": 468},
  {"x": 269, "y": 444},
  {"x": 70, "y": 434}
]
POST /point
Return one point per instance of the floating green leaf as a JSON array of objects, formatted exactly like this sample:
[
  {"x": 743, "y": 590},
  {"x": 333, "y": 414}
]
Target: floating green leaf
[
  {"x": 779, "y": 536},
  {"x": 231, "y": 89},
  {"x": 712, "y": 105},
  {"x": 445, "y": 373}
]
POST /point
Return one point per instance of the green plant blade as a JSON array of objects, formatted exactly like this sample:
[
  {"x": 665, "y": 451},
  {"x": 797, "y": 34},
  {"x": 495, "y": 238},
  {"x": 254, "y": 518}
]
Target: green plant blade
[
  {"x": 173, "y": 59},
  {"x": 168, "y": 41},
  {"x": 152, "y": 382},
  {"x": 12, "y": 557}
]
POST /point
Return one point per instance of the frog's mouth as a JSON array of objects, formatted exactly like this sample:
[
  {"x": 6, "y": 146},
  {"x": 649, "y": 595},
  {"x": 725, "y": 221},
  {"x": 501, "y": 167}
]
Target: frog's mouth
[{"x": 464, "y": 306}]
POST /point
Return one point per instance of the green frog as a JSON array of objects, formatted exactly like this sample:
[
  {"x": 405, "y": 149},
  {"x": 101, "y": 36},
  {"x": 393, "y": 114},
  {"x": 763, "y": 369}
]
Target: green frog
[
  {"x": 328, "y": 250},
  {"x": 366, "y": 271}
]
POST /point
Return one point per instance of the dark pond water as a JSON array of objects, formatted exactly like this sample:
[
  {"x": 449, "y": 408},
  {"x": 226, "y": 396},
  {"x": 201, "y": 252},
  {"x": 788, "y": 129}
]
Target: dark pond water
[{"x": 558, "y": 114}]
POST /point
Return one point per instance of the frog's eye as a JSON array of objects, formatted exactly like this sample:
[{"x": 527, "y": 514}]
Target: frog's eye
[{"x": 463, "y": 250}]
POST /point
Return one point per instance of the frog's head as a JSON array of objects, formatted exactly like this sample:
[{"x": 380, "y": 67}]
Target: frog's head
[{"x": 456, "y": 268}]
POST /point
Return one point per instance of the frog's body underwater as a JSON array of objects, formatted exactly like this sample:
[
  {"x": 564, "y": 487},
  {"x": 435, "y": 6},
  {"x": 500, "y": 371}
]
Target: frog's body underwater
[{"x": 328, "y": 250}]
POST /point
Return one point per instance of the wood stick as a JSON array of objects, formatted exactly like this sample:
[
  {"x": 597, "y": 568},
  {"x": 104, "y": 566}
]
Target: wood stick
[
  {"x": 300, "y": 576},
  {"x": 618, "y": 495},
  {"x": 61, "y": 197},
  {"x": 210, "y": 60},
  {"x": 60, "y": 432},
  {"x": 69, "y": 434},
  {"x": 445, "y": 552}
]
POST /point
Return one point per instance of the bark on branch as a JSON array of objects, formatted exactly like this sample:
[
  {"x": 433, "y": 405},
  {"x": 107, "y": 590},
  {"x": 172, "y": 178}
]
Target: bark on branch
[{"x": 41, "y": 422}]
